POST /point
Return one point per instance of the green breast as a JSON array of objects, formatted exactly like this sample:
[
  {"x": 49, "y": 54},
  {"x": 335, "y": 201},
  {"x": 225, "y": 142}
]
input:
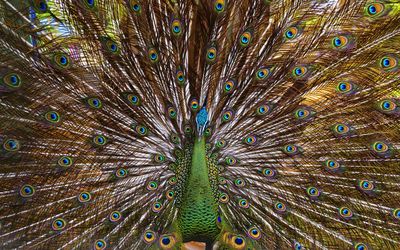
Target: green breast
[{"x": 198, "y": 213}]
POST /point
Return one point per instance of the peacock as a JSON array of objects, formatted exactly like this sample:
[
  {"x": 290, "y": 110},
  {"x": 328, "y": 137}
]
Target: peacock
[{"x": 200, "y": 124}]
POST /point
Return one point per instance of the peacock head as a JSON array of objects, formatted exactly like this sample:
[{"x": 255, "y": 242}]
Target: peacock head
[{"x": 201, "y": 121}]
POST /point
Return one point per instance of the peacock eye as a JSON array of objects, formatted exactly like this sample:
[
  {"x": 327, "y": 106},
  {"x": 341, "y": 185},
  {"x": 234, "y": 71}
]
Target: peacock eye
[
  {"x": 374, "y": 9},
  {"x": 90, "y": 3},
  {"x": 269, "y": 172},
  {"x": 149, "y": 236},
  {"x": 27, "y": 191},
  {"x": 240, "y": 182},
  {"x": 290, "y": 149},
  {"x": 84, "y": 197},
  {"x": 156, "y": 207},
  {"x": 58, "y": 224},
  {"x": 297, "y": 246},
  {"x": 280, "y": 207},
  {"x": 172, "y": 180},
  {"x": 291, "y": 33},
  {"x": 194, "y": 104},
  {"x": 152, "y": 185},
  {"x": 174, "y": 138},
  {"x": 100, "y": 244},
  {"x": 302, "y": 113},
  {"x": 99, "y": 140},
  {"x": 176, "y": 27},
  {"x": 133, "y": 99},
  {"x": 153, "y": 55},
  {"x": 65, "y": 161},
  {"x": 340, "y": 129},
  {"x": 238, "y": 242},
  {"x": 229, "y": 86},
  {"x": 141, "y": 130},
  {"x": 331, "y": 164},
  {"x": 52, "y": 117},
  {"x": 120, "y": 173},
  {"x": 61, "y": 60},
  {"x": 207, "y": 132},
  {"x": 167, "y": 241},
  {"x": 299, "y": 72},
  {"x": 380, "y": 147},
  {"x": 313, "y": 192},
  {"x": 11, "y": 80},
  {"x": 345, "y": 212},
  {"x": 188, "y": 129},
  {"x": 115, "y": 216},
  {"x": 396, "y": 213},
  {"x": 221, "y": 143},
  {"x": 388, "y": 105},
  {"x": 159, "y": 158},
  {"x": 243, "y": 203},
  {"x": 180, "y": 77},
  {"x": 211, "y": 54},
  {"x": 340, "y": 42},
  {"x": 224, "y": 198},
  {"x": 40, "y": 6},
  {"x": 135, "y": 6},
  {"x": 263, "y": 109},
  {"x": 388, "y": 63},
  {"x": 227, "y": 116},
  {"x": 109, "y": 45},
  {"x": 172, "y": 112},
  {"x": 263, "y": 73},
  {"x": 219, "y": 6},
  {"x": 170, "y": 194},
  {"x": 230, "y": 160},
  {"x": 254, "y": 233},
  {"x": 245, "y": 39},
  {"x": 250, "y": 140},
  {"x": 360, "y": 246},
  {"x": 94, "y": 102},
  {"x": 345, "y": 87},
  {"x": 365, "y": 185},
  {"x": 11, "y": 145}
]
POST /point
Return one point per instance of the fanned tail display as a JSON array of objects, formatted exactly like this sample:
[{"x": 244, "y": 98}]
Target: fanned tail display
[{"x": 149, "y": 124}]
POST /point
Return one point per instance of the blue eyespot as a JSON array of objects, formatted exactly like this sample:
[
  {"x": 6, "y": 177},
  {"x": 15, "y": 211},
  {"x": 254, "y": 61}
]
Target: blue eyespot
[
  {"x": 42, "y": 6},
  {"x": 337, "y": 42},
  {"x": 385, "y": 62},
  {"x": 100, "y": 244},
  {"x": 11, "y": 145},
  {"x": 63, "y": 60},
  {"x": 14, "y": 79},
  {"x": 27, "y": 191},
  {"x": 166, "y": 241},
  {"x": 372, "y": 10},
  {"x": 239, "y": 241}
]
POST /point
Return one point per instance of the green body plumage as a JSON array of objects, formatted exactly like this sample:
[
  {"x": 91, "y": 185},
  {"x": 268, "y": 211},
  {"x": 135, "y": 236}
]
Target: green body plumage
[{"x": 197, "y": 217}]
